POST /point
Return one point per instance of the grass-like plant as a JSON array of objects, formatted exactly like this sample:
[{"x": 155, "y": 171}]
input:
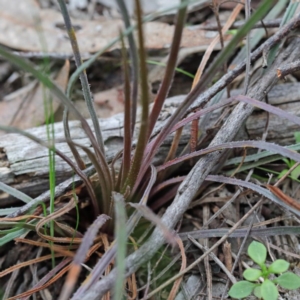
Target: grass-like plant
[
  {"x": 268, "y": 289},
  {"x": 117, "y": 193}
]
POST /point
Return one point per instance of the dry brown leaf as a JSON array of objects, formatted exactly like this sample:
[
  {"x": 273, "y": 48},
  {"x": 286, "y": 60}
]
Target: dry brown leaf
[
  {"x": 23, "y": 26},
  {"x": 109, "y": 102},
  {"x": 29, "y": 101}
]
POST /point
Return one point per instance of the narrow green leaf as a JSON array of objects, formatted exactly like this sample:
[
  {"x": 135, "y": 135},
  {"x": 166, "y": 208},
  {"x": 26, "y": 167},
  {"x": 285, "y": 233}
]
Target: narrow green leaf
[
  {"x": 241, "y": 289},
  {"x": 269, "y": 290},
  {"x": 9, "y": 237},
  {"x": 289, "y": 281},
  {"x": 83, "y": 76},
  {"x": 297, "y": 136},
  {"x": 282, "y": 173},
  {"x": 295, "y": 173},
  {"x": 286, "y": 160},
  {"x": 270, "y": 157},
  {"x": 257, "y": 252},
  {"x": 252, "y": 274},
  {"x": 279, "y": 266},
  {"x": 14, "y": 192},
  {"x": 7, "y": 211}
]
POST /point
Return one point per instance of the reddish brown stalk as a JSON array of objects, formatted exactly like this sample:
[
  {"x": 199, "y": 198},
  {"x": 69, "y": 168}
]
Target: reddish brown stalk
[
  {"x": 172, "y": 151},
  {"x": 194, "y": 134},
  {"x": 282, "y": 196},
  {"x": 144, "y": 129},
  {"x": 127, "y": 117},
  {"x": 166, "y": 83},
  {"x": 33, "y": 261}
]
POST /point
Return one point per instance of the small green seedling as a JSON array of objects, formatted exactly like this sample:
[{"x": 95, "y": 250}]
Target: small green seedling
[
  {"x": 290, "y": 163},
  {"x": 266, "y": 290}
]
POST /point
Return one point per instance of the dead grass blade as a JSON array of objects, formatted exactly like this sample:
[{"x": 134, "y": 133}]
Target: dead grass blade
[
  {"x": 262, "y": 105},
  {"x": 256, "y": 188},
  {"x": 70, "y": 205},
  {"x": 80, "y": 256},
  {"x": 282, "y": 196},
  {"x": 32, "y": 261},
  {"x": 47, "y": 281},
  {"x": 242, "y": 232},
  {"x": 20, "y": 218},
  {"x": 34, "y": 290},
  {"x": 131, "y": 282},
  {"x": 215, "y": 41},
  {"x": 46, "y": 278},
  {"x": 183, "y": 266},
  {"x": 205, "y": 58},
  {"x": 47, "y": 245},
  {"x": 285, "y": 152}
]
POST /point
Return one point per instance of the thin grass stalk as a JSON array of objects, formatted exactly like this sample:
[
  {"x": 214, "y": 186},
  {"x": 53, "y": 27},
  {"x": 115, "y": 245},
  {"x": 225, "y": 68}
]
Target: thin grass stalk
[
  {"x": 215, "y": 7},
  {"x": 170, "y": 69},
  {"x": 127, "y": 119},
  {"x": 83, "y": 77},
  {"x": 143, "y": 134},
  {"x": 105, "y": 192},
  {"x": 121, "y": 240},
  {"x": 274, "y": 148},
  {"x": 248, "y": 48},
  {"x": 117, "y": 181},
  {"x": 80, "y": 256},
  {"x": 49, "y": 115},
  {"x": 172, "y": 152},
  {"x": 73, "y": 149},
  {"x": 67, "y": 133},
  {"x": 202, "y": 83},
  {"x": 134, "y": 63}
]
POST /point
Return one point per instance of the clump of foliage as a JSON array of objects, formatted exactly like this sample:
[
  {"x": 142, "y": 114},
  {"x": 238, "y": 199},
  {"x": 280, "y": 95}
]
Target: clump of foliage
[{"x": 268, "y": 289}]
